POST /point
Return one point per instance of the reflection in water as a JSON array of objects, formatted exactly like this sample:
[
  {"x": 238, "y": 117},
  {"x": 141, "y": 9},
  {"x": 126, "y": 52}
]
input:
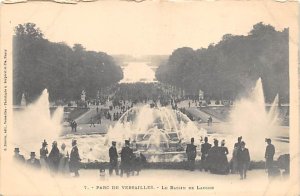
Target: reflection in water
[{"x": 138, "y": 72}]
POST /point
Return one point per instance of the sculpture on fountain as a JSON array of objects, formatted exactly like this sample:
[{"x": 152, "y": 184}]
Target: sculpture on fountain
[{"x": 23, "y": 100}]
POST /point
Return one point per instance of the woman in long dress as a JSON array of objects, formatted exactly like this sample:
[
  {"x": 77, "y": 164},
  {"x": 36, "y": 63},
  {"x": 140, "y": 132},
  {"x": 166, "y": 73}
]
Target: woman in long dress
[
  {"x": 43, "y": 155},
  {"x": 223, "y": 157},
  {"x": 63, "y": 167}
]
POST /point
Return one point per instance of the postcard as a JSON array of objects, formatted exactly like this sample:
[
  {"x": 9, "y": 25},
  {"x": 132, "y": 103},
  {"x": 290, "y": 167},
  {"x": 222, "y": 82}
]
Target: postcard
[{"x": 149, "y": 98}]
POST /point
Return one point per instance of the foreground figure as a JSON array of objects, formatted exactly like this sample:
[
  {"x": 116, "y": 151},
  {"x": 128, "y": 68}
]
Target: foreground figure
[
  {"x": 63, "y": 167},
  {"x": 204, "y": 153},
  {"x": 243, "y": 160},
  {"x": 126, "y": 159},
  {"x": 43, "y": 155},
  {"x": 17, "y": 157},
  {"x": 74, "y": 159},
  {"x": 54, "y": 157},
  {"x": 191, "y": 154},
  {"x": 33, "y": 162},
  {"x": 113, "y": 159},
  {"x": 269, "y": 156},
  {"x": 234, "y": 162}
]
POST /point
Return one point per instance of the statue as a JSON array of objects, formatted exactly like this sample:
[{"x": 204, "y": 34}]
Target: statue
[
  {"x": 23, "y": 100},
  {"x": 83, "y": 95}
]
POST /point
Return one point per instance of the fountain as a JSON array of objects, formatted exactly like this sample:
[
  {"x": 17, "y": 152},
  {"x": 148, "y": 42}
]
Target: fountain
[
  {"x": 159, "y": 133},
  {"x": 34, "y": 123},
  {"x": 251, "y": 120}
]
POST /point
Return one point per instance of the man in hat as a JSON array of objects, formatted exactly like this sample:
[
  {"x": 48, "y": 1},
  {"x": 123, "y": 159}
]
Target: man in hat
[
  {"x": 43, "y": 155},
  {"x": 191, "y": 154},
  {"x": 54, "y": 157},
  {"x": 204, "y": 153},
  {"x": 126, "y": 158},
  {"x": 33, "y": 162},
  {"x": 74, "y": 159},
  {"x": 238, "y": 144},
  {"x": 243, "y": 160},
  {"x": 269, "y": 154},
  {"x": 113, "y": 159},
  {"x": 19, "y": 158}
]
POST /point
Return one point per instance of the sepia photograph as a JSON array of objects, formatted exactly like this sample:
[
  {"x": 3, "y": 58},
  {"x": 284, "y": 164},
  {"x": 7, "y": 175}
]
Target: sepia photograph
[{"x": 152, "y": 98}]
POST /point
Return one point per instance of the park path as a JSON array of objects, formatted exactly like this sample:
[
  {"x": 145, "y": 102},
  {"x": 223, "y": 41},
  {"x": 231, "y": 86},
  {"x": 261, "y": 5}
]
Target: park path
[
  {"x": 85, "y": 118},
  {"x": 202, "y": 115}
]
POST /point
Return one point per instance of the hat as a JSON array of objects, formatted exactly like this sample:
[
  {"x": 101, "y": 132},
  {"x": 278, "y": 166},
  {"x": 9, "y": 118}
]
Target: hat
[
  {"x": 32, "y": 154},
  {"x": 216, "y": 141},
  {"x": 223, "y": 142},
  {"x": 268, "y": 140},
  {"x": 74, "y": 142},
  {"x": 239, "y": 138},
  {"x": 44, "y": 143},
  {"x": 17, "y": 150}
]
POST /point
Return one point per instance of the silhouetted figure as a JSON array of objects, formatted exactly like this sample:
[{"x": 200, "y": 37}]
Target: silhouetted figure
[
  {"x": 191, "y": 155},
  {"x": 223, "y": 157},
  {"x": 33, "y": 162},
  {"x": 74, "y": 159},
  {"x": 53, "y": 159},
  {"x": 239, "y": 142},
  {"x": 138, "y": 162},
  {"x": 126, "y": 159},
  {"x": 214, "y": 157},
  {"x": 92, "y": 122},
  {"x": 234, "y": 162},
  {"x": 269, "y": 155},
  {"x": 113, "y": 159},
  {"x": 74, "y": 125},
  {"x": 284, "y": 163},
  {"x": 243, "y": 159},
  {"x": 204, "y": 153},
  {"x": 43, "y": 155},
  {"x": 18, "y": 157}
]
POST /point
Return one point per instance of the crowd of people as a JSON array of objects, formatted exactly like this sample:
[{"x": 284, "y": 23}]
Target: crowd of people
[
  {"x": 214, "y": 158},
  {"x": 58, "y": 161}
]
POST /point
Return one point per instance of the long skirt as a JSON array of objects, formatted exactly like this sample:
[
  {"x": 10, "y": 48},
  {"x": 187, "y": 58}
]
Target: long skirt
[{"x": 63, "y": 166}]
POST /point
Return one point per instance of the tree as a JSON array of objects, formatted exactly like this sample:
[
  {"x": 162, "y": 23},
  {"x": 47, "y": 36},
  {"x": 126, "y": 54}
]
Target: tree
[
  {"x": 64, "y": 71},
  {"x": 29, "y": 30},
  {"x": 232, "y": 66}
]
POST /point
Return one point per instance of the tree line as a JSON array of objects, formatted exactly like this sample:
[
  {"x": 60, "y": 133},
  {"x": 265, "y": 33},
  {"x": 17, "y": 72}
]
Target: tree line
[
  {"x": 230, "y": 68},
  {"x": 65, "y": 71}
]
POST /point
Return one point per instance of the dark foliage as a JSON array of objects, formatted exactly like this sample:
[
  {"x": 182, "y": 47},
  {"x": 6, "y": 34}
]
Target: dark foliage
[
  {"x": 64, "y": 71},
  {"x": 231, "y": 67}
]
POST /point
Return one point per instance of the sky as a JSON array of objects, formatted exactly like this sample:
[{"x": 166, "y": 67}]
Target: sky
[{"x": 122, "y": 27}]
